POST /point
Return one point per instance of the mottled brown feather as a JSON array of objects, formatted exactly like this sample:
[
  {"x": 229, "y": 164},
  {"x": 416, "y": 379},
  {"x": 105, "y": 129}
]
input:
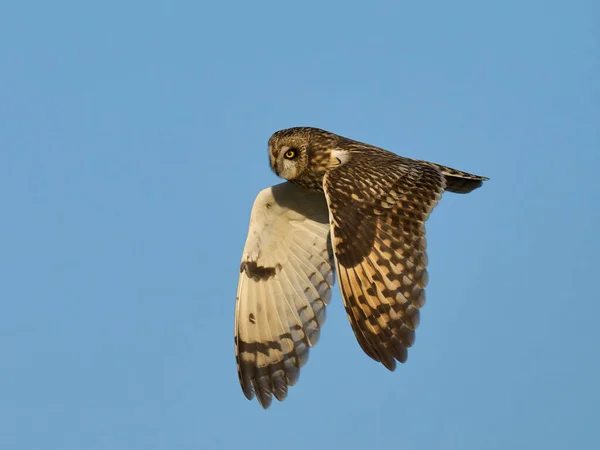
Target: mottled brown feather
[{"x": 378, "y": 234}]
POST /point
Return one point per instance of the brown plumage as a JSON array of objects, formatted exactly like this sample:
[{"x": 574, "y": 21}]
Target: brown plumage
[{"x": 377, "y": 204}]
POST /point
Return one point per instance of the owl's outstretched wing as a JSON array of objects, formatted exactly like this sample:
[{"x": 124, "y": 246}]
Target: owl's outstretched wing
[
  {"x": 285, "y": 283},
  {"x": 379, "y": 204}
]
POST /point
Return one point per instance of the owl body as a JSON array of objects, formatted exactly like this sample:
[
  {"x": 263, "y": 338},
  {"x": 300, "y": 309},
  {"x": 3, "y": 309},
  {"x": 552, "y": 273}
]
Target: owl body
[
  {"x": 319, "y": 151},
  {"x": 349, "y": 209}
]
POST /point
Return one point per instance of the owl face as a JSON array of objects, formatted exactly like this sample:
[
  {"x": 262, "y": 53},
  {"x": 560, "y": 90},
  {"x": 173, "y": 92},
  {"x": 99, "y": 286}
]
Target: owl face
[
  {"x": 303, "y": 155},
  {"x": 289, "y": 157}
]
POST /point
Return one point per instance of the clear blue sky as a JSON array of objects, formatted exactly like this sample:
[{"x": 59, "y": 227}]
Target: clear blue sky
[{"x": 133, "y": 141}]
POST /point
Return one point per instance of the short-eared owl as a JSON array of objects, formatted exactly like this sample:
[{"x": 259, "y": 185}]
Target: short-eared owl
[{"x": 347, "y": 207}]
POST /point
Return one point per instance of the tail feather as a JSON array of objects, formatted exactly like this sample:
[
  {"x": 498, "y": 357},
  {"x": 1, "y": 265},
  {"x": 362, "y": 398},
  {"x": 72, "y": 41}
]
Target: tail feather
[
  {"x": 462, "y": 185},
  {"x": 460, "y": 182}
]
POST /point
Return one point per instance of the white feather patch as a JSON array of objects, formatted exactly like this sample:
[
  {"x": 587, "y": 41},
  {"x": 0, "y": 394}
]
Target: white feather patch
[{"x": 285, "y": 281}]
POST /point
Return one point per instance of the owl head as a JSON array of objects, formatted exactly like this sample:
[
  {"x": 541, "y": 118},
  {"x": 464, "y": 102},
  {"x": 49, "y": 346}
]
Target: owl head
[
  {"x": 289, "y": 152},
  {"x": 303, "y": 155}
]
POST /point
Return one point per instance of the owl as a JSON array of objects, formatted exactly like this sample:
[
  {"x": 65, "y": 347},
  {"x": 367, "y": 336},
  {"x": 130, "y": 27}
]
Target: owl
[{"x": 350, "y": 209}]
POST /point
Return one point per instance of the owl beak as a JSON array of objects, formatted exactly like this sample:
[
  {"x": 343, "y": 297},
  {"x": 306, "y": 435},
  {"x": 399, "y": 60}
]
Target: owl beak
[{"x": 274, "y": 168}]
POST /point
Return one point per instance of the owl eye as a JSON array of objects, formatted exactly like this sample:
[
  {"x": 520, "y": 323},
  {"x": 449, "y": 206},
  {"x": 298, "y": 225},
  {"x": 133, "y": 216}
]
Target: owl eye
[{"x": 291, "y": 154}]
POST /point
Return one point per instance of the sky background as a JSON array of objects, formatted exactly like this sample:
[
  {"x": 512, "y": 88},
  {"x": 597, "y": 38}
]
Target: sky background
[{"x": 133, "y": 142}]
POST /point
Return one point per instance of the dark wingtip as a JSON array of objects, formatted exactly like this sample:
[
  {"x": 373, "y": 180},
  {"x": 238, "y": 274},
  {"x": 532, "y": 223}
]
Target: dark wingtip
[{"x": 263, "y": 392}]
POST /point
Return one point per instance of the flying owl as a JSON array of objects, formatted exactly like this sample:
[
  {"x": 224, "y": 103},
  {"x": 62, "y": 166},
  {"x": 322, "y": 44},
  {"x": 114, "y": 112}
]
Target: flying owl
[{"x": 350, "y": 208}]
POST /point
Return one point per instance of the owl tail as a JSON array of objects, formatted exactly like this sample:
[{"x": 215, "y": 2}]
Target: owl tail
[{"x": 460, "y": 182}]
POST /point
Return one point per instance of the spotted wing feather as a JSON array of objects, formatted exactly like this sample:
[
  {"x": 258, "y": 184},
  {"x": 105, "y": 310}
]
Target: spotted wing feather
[
  {"x": 378, "y": 207},
  {"x": 285, "y": 283}
]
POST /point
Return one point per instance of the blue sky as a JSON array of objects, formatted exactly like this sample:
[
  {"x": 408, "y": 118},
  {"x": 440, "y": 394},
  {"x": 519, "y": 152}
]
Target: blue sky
[{"x": 133, "y": 141}]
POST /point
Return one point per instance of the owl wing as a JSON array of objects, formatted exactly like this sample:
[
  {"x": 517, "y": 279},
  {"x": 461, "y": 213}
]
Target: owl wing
[
  {"x": 285, "y": 283},
  {"x": 378, "y": 205}
]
